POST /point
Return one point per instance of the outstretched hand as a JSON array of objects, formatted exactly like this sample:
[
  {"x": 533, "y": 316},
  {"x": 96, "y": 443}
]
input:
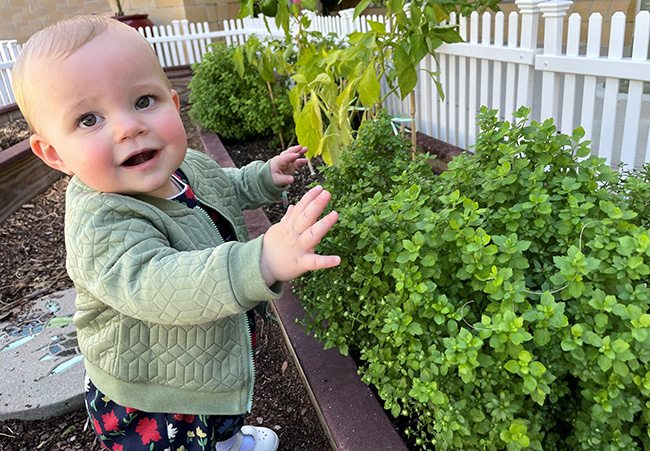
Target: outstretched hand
[
  {"x": 283, "y": 166},
  {"x": 288, "y": 247}
]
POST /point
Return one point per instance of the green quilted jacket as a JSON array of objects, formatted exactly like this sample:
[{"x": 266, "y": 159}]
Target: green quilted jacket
[{"x": 161, "y": 298}]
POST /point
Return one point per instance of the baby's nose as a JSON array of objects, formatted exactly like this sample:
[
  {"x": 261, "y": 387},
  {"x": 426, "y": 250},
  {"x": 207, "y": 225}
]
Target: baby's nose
[{"x": 128, "y": 126}]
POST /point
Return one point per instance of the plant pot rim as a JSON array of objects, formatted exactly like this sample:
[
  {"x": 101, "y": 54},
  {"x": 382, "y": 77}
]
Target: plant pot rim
[{"x": 132, "y": 16}]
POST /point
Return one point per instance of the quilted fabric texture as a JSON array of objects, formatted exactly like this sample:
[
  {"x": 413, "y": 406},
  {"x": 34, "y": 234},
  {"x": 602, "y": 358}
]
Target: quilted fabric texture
[{"x": 161, "y": 298}]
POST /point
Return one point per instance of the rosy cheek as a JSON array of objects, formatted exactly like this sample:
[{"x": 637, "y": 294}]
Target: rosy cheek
[{"x": 172, "y": 131}]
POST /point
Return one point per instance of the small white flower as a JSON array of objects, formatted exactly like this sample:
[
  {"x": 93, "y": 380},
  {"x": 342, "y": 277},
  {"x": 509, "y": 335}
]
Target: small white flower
[{"x": 171, "y": 431}]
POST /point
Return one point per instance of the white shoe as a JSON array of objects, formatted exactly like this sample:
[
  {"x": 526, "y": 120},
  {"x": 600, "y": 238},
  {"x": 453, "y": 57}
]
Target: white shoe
[{"x": 265, "y": 439}]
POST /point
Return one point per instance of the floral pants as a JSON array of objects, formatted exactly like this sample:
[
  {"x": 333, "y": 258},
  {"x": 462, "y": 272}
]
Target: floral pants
[{"x": 125, "y": 429}]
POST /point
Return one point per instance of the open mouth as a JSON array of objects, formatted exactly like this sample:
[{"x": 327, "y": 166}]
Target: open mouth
[{"x": 140, "y": 158}]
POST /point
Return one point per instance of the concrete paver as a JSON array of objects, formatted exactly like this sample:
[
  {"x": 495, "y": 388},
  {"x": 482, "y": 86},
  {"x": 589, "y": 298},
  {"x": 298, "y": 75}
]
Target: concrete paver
[{"x": 41, "y": 374}]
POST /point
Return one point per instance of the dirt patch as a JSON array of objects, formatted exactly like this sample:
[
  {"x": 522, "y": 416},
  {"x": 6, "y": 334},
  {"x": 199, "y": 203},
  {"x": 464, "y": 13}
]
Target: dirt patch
[
  {"x": 32, "y": 264},
  {"x": 12, "y": 132}
]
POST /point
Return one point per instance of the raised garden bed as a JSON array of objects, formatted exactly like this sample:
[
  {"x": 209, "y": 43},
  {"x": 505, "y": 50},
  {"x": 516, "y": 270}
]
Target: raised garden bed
[
  {"x": 22, "y": 176},
  {"x": 350, "y": 413}
]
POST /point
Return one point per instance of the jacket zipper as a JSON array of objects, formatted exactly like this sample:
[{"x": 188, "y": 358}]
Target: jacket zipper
[{"x": 249, "y": 403}]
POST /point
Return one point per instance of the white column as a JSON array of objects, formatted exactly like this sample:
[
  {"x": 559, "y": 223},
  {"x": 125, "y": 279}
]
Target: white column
[
  {"x": 529, "y": 10},
  {"x": 347, "y": 22}
]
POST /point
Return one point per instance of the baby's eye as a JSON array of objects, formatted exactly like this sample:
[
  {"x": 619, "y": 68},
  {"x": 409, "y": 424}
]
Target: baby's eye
[
  {"x": 89, "y": 120},
  {"x": 144, "y": 102}
]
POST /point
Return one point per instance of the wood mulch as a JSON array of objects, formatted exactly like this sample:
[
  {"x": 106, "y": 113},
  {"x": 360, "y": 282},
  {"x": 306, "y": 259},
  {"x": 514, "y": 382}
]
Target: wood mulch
[{"x": 32, "y": 264}]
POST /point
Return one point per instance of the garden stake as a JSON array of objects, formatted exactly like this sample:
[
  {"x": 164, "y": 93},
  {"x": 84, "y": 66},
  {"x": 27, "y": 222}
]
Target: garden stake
[{"x": 413, "y": 132}]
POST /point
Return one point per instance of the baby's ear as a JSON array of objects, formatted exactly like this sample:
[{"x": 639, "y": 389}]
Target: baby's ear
[
  {"x": 44, "y": 150},
  {"x": 177, "y": 100}
]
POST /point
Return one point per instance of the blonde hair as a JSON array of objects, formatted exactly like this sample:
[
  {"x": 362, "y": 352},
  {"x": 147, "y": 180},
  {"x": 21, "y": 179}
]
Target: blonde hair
[{"x": 58, "y": 41}]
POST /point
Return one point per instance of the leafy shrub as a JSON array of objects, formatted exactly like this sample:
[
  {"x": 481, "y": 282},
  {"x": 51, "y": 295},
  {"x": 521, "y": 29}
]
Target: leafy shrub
[
  {"x": 235, "y": 107},
  {"x": 501, "y": 305}
]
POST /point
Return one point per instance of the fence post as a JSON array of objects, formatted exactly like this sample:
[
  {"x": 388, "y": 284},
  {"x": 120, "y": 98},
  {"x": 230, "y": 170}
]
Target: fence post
[
  {"x": 347, "y": 23},
  {"x": 553, "y": 13},
  {"x": 529, "y": 11}
]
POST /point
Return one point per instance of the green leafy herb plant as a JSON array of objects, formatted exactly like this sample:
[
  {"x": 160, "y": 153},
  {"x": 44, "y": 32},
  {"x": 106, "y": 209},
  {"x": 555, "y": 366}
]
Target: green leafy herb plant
[
  {"x": 501, "y": 305},
  {"x": 236, "y": 98}
]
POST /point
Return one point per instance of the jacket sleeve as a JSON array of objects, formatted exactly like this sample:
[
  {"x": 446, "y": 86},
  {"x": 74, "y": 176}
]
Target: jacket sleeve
[
  {"x": 254, "y": 185},
  {"x": 121, "y": 258}
]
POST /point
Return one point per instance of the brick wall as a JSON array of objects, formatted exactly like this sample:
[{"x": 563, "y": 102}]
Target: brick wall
[{"x": 19, "y": 19}]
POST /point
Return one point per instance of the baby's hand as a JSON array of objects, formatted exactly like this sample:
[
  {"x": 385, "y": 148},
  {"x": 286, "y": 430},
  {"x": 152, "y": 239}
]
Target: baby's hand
[
  {"x": 288, "y": 247},
  {"x": 284, "y": 165}
]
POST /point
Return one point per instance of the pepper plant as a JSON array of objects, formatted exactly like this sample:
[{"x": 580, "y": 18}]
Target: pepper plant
[
  {"x": 501, "y": 305},
  {"x": 333, "y": 83}
]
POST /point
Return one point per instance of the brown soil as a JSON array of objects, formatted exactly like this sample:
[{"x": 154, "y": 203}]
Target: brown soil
[{"x": 32, "y": 264}]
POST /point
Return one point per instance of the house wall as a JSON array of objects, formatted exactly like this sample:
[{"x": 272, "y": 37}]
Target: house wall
[{"x": 19, "y": 19}]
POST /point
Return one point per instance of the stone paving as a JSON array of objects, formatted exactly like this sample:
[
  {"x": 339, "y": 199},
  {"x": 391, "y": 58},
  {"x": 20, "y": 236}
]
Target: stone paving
[{"x": 41, "y": 374}]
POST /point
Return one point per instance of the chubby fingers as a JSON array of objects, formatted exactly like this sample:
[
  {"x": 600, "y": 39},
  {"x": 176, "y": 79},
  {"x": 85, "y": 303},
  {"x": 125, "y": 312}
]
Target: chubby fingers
[
  {"x": 312, "y": 235},
  {"x": 298, "y": 150},
  {"x": 306, "y": 212}
]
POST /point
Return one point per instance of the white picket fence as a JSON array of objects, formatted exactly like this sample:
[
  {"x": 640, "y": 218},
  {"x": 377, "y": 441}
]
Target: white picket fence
[
  {"x": 8, "y": 52},
  {"x": 573, "y": 84},
  {"x": 500, "y": 65},
  {"x": 183, "y": 43}
]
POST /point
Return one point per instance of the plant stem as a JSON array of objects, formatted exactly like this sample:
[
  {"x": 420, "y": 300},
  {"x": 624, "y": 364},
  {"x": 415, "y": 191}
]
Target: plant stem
[{"x": 276, "y": 111}]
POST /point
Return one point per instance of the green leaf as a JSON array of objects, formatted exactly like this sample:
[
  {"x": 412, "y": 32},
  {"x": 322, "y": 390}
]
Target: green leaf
[
  {"x": 530, "y": 384},
  {"x": 377, "y": 27},
  {"x": 369, "y": 89},
  {"x": 415, "y": 328},
  {"x": 407, "y": 80},
  {"x": 308, "y": 4},
  {"x": 537, "y": 368},
  {"x": 309, "y": 127},
  {"x": 619, "y": 346},
  {"x": 363, "y": 4},
  {"x": 429, "y": 260},
  {"x": 604, "y": 362},
  {"x": 541, "y": 337},
  {"x": 512, "y": 366},
  {"x": 238, "y": 60}
]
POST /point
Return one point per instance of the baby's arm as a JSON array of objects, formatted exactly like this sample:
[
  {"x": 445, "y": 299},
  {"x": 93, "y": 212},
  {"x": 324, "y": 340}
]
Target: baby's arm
[{"x": 288, "y": 247}]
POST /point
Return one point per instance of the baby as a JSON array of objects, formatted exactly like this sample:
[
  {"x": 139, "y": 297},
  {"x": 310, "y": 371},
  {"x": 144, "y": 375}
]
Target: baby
[{"x": 165, "y": 274}]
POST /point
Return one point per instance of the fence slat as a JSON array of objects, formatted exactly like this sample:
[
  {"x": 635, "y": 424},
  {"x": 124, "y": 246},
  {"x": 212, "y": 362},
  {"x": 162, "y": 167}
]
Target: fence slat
[
  {"x": 486, "y": 34},
  {"x": 589, "y": 91},
  {"x": 617, "y": 35},
  {"x": 499, "y": 29},
  {"x": 573, "y": 49},
  {"x": 427, "y": 98},
  {"x": 176, "y": 26},
  {"x": 529, "y": 26},
  {"x": 473, "y": 84},
  {"x": 513, "y": 29},
  {"x": 462, "y": 88},
  {"x": 635, "y": 91}
]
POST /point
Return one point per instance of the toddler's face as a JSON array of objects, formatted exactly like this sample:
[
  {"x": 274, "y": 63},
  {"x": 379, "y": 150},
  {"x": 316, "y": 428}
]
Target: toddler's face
[{"x": 108, "y": 116}]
